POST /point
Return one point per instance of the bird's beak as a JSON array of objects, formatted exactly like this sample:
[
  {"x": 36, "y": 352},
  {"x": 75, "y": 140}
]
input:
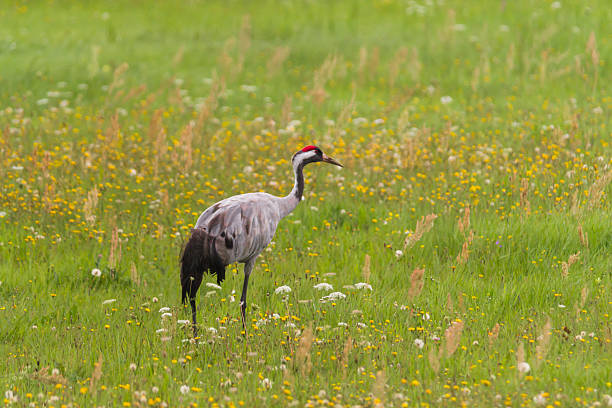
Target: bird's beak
[{"x": 331, "y": 160}]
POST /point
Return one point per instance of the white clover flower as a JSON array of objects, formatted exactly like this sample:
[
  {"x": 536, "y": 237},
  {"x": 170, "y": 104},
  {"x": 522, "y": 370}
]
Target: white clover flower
[
  {"x": 154, "y": 390},
  {"x": 282, "y": 289},
  {"x": 445, "y": 100},
  {"x": 182, "y": 321},
  {"x": 363, "y": 285},
  {"x": 161, "y": 331},
  {"x": 166, "y": 315},
  {"x": 607, "y": 399},
  {"x": 399, "y": 253},
  {"x": 419, "y": 343},
  {"x": 523, "y": 367},
  {"x": 133, "y": 367},
  {"x": 109, "y": 301},
  {"x": 164, "y": 309},
  {"x": 2, "y": 214},
  {"x": 323, "y": 286},
  {"x": 342, "y": 324},
  {"x": 96, "y": 272},
  {"x": 212, "y": 285},
  {"x": 184, "y": 389}
]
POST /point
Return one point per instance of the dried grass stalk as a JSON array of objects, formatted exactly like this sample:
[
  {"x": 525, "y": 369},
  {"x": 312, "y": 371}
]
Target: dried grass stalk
[
  {"x": 286, "y": 110},
  {"x": 275, "y": 63},
  {"x": 209, "y": 106},
  {"x": 452, "y": 336},
  {"x": 494, "y": 333},
  {"x": 43, "y": 375},
  {"x": 396, "y": 64},
  {"x": 96, "y": 374},
  {"x": 464, "y": 254},
  {"x": 89, "y": 208},
  {"x": 523, "y": 197},
  {"x": 302, "y": 355},
  {"x": 591, "y": 49},
  {"x": 464, "y": 223},
  {"x": 321, "y": 77},
  {"x": 118, "y": 80},
  {"x": 434, "y": 361},
  {"x": 415, "y": 65},
  {"x": 186, "y": 142},
  {"x": 416, "y": 283},
  {"x": 134, "y": 274},
  {"x": 584, "y": 294},
  {"x": 378, "y": 389},
  {"x": 114, "y": 256},
  {"x": 449, "y": 303},
  {"x": 566, "y": 265},
  {"x": 366, "y": 269},
  {"x": 584, "y": 237},
  {"x": 520, "y": 357},
  {"x": 348, "y": 346},
  {"x": 597, "y": 190},
  {"x": 543, "y": 342},
  {"x": 425, "y": 224}
]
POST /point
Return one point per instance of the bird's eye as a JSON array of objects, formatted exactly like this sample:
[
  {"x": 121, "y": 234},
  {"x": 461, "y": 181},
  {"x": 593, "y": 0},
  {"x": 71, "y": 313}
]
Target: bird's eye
[{"x": 319, "y": 152}]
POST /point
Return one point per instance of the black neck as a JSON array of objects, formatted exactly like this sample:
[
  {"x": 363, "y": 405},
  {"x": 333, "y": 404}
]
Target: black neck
[{"x": 299, "y": 181}]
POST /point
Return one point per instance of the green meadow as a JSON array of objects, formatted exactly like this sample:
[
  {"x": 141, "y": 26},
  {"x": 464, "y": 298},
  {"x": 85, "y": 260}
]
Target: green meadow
[{"x": 462, "y": 256}]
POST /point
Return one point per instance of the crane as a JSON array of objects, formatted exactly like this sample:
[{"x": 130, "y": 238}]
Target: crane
[{"x": 237, "y": 229}]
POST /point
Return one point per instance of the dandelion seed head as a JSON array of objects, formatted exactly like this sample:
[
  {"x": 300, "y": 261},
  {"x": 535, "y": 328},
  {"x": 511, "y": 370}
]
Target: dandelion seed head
[{"x": 523, "y": 367}]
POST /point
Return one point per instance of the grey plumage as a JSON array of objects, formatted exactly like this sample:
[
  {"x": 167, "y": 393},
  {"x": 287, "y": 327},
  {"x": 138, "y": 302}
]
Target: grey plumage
[{"x": 237, "y": 229}]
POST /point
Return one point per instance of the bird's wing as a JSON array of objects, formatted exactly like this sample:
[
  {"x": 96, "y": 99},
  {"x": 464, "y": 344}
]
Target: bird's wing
[{"x": 243, "y": 225}]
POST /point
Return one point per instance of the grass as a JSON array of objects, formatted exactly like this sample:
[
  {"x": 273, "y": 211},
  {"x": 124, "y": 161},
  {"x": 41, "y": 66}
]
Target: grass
[{"x": 122, "y": 122}]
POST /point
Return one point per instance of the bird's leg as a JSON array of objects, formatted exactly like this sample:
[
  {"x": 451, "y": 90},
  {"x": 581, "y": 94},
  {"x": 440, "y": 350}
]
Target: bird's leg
[
  {"x": 248, "y": 268},
  {"x": 192, "y": 302}
]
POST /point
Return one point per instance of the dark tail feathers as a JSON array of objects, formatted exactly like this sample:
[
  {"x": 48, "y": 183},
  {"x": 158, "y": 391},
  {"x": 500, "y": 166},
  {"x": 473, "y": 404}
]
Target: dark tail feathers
[{"x": 199, "y": 256}]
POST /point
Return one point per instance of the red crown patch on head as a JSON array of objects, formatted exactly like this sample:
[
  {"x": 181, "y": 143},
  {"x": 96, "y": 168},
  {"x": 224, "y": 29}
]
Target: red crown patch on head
[{"x": 309, "y": 148}]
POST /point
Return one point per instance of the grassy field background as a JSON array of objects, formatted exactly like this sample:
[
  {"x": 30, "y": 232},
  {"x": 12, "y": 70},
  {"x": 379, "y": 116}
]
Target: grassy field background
[{"x": 122, "y": 121}]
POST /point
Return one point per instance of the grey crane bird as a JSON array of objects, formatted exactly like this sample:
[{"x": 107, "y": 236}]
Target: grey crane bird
[{"x": 237, "y": 229}]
